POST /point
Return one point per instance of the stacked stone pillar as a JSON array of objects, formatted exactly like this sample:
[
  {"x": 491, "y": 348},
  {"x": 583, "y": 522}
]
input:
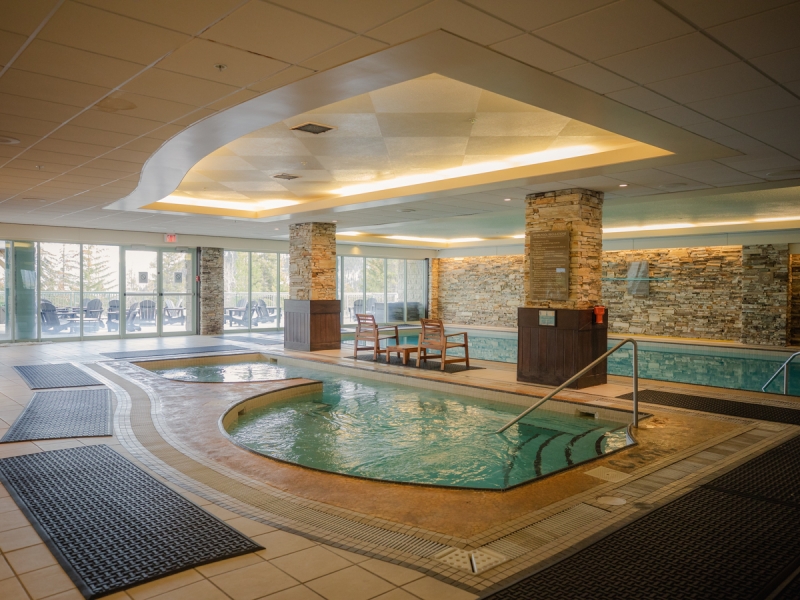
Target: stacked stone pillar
[
  {"x": 312, "y": 314},
  {"x": 211, "y": 292},
  {"x": 560, "y": 334}
]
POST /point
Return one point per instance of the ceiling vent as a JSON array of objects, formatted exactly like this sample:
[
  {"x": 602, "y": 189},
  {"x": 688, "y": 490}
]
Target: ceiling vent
[
  {"x": 315, "y": 128},
  {"x": 286, "y": 176}
]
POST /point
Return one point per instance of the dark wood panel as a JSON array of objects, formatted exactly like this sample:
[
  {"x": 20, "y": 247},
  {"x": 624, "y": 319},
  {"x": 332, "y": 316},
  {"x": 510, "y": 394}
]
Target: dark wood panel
[
  {"x": 551, "y": 355},
  {"x": 312, "y": 325}
]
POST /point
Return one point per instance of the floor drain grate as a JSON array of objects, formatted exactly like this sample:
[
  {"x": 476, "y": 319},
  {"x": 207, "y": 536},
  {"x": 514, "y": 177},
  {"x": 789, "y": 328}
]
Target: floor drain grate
[{"x": 476, "y": 561}]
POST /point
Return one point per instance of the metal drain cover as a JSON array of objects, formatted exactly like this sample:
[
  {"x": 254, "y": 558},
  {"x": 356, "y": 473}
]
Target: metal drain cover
[{"x": 476, "y": 561}]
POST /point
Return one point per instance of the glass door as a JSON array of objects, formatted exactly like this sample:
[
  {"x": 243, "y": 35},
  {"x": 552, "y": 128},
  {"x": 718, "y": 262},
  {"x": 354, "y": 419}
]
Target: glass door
[
  {"x": 177, "y": 292},
  {"x": 139, "y": 314}
]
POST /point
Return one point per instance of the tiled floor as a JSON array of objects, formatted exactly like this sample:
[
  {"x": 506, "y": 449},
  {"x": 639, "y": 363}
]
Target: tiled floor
[{"x": 297, "y": 567}]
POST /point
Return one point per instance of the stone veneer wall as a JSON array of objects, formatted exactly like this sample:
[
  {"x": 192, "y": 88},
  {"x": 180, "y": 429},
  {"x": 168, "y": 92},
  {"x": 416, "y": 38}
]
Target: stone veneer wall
[
  {"x": 711, "y": 293},
  {"x": 794, "y": 302},
  {"x": 312, "y": 261},
  {"x": 580, "y": 212},
  {"x": 212, "y": 273}
]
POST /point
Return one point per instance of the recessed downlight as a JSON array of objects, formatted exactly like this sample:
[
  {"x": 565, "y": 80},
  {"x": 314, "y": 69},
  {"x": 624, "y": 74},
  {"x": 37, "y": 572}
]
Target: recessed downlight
[
  {"x": 623, "y": 185},
  {"x": 8, "y": 141},
  {"x": 506, "y": 199}
]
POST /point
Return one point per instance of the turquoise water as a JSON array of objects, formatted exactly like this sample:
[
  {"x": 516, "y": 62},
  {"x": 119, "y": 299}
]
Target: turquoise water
[
  {"x": 703, "y": 365},
  {"x": 405, "y": 434}
]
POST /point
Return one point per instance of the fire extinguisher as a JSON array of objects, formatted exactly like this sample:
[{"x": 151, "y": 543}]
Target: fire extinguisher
[{"x": 599, "y": 311}]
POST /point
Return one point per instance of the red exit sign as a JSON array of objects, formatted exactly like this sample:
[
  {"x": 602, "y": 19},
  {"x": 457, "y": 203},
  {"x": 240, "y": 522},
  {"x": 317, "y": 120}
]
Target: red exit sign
[{"x": 171, "y": 238}]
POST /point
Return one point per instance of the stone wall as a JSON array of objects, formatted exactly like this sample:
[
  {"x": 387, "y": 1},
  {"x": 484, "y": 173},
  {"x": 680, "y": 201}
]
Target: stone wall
[
  {"x": 794, "y": 303},
  {"x": 580, "y": 212},
  {"x": 707, "y": 293},
  {"x": 765, "y": 296},
  {"x": 312, "y": 261},
  {"x": 212, "y": 287},
  {"x": 700, "y": 295},
  {"x": 434, "y": 310}
]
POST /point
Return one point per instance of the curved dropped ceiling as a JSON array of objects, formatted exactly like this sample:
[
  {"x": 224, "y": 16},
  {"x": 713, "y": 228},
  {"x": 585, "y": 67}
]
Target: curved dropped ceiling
[{"x": 651, "y": 142}]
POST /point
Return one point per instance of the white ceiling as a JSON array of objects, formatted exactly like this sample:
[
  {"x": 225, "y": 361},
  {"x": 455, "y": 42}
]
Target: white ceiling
[{"x": 93, "y": 88}]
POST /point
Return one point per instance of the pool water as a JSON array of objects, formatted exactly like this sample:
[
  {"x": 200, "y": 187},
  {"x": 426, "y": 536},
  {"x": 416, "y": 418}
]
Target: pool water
[
  {"x": 396, "y": 433},
  {"x": 732, "y": 368}
]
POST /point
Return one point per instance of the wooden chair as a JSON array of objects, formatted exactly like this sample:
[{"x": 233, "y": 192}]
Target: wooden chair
[
  {"x": 368, "y": 331},
  {"x": 434, "y": 338}
]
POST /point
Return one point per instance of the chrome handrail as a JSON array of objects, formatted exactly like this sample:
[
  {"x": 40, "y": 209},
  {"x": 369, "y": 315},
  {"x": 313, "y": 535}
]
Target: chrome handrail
[
  {"x": 583, "y": 372},
  {"x": 785, "y": 367}
]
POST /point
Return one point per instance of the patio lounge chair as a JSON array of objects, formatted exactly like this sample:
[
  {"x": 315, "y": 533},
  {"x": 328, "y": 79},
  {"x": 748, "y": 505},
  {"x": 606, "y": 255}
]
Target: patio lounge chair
[
  {"x": 368, "y": 331},
  {"x": 239, "y": 315},
  {"x": 266, "y": 314},
  {"x": 131, "y": 318},
  {"x": 50, "y": 321},
  {"x": 174, "y": 314},
  {"x": 434, "y": 338},
  {"x": 94, "y": 311},
  {"x": 147, "y": 312}
]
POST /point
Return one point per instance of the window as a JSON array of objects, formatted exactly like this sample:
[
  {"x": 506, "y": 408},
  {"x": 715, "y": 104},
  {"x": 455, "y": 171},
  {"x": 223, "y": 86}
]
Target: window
[
  {"x": 100, "y": 290},
  {"x": 60, "y": 290},
  {"x": 237, "y": 290},
  {"x": 264, "y": 289}
]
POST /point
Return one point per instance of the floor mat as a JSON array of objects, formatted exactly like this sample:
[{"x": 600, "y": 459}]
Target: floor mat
[
  {"x": 429, "y": 365},
  {"x": 63, "y": 414},
  {"x": 731, "y": 538},
  {"x": 171, "y": 351},
  {"x": 264, "y": 341},
  {"x": 111, "y": 525},
  {"x": 731, "y": 408},
  {"x": 60, "y": 375}
]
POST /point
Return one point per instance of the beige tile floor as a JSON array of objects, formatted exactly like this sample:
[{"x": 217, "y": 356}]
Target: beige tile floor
[{"x": 290, "y": 567}]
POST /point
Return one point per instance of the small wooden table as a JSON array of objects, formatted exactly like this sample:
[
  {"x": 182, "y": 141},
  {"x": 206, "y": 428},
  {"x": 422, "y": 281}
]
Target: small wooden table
[{"x": 404, "y": 349}]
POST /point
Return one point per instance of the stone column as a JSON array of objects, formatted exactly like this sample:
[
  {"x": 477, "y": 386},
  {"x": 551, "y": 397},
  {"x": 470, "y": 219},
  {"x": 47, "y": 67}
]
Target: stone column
[
  {"x": 580, "y": 212},
  {"x": 433, "y": 290},
  {"x": 312, "y": 314},
  {"x": 211, "y": 292},
  {"x": 765, "y": 294},
  {"x": 558, "y": 332}
]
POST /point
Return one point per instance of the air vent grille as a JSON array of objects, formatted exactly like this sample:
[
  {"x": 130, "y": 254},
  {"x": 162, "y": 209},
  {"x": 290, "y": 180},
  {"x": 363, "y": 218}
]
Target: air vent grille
[
  {"x": 286, "y": 176},
  {"x": 315, "y": 128}
]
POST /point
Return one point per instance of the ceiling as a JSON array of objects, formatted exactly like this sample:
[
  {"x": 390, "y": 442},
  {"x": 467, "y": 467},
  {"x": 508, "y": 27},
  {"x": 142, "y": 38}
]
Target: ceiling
[{"x": 92, "y": 89}]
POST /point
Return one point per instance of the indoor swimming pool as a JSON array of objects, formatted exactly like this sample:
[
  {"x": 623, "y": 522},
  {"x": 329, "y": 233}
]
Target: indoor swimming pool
[
  {"x": 376, "y": 430},
  {"x": 733, "y": 368}
]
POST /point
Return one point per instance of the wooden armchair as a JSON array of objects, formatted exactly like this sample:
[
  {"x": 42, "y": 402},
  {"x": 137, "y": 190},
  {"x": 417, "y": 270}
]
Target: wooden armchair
[
  {"x": 368, "y": 331},
  {"x": 434, "y": 338}
]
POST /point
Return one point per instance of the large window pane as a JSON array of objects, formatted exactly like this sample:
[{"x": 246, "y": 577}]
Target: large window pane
[
  {"x": 141, "y": 292},
  {"x": 5, "y": 290},
  {"x": 395, "y": 290},
  {"x": 60, "y": 287},
  {"x": 26, "y": 310},
  {"x": 237, "y": 290},
  {"x": 264, "y": 289},
  {"x": 100, "y": 290},
  {"x": 353, "y": 297},
  {"x": 177, "y": 286},
  {"x": 417, "y": 274},
  {"x": 375, "y": 280},
  {"x": 284, "y": 280}
]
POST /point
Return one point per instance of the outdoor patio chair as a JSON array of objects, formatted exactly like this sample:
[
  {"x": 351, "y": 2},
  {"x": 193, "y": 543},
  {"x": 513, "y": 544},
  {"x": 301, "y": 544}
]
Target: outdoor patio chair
[
  {"x": 174, "y": 314},
  {"x": 266, "y": 314},
  {"x": 131, "y": 318},
  {"x": 433, "y": 338},
  {"x": 147, "y": 312},
  {"x": 239, "y": 316},
  {"x": 367, "y": 330},
  {"x": 94, "y": 310},
  {"x": 50, "y": 321},
  {"x": 113, "y": 315}
]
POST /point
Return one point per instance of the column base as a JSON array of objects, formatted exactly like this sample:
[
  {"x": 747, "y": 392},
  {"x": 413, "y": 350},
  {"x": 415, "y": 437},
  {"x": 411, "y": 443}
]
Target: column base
[
  {"x": 311, "y": 325},
  {"x": 551, "y": 354}
]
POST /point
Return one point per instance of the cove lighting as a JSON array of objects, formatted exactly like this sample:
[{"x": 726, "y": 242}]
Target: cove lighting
[
  {"x": 776, "y": 219},
  {"x": 408, "y": 238},
  {"x": 511, "y": 162},
  {"x": 206, "y": 203},
  {"x": 672, "y": 226},
  {"x": 518, "y": 236},
  {"x": 348, "y": 233}
]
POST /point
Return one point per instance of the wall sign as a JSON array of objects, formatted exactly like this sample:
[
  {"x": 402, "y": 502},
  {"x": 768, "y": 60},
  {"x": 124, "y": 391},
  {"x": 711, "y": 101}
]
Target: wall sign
[
  {"x": 143, "y": 276},
  {"x": 549, "y": 260},
  {"x": 547, "y": 318},
  {"x": 171, "y": 238}
]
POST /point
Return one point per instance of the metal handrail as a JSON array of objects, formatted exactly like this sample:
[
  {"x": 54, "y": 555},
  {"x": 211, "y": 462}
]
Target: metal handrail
[
  {"x": 583, "y": 372},
  {"x": 785, "y": 367}
]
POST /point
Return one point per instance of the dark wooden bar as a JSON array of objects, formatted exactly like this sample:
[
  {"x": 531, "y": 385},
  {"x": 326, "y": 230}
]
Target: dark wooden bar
[
  {"x": 312, "y": 325},
  {"x": 552, "y": 354}
]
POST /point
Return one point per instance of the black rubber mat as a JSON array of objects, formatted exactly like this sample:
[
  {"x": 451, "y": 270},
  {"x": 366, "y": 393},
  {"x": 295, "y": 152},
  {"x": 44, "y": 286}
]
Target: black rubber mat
[
  {"x": 264, "y": 341},
  {"x": 111, "y": 525},
  {"x": 60, "y": 375},
  {"x": 731, "y": 408},
  {"x": 63, "y": 414},
  {"x": 429, "y": 365},
  {"x": 171, "y": 351},
  {"x": 733, "y": 538}
]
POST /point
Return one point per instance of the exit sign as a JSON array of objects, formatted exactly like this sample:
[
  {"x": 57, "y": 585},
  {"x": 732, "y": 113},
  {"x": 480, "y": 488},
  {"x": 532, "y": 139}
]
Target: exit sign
[{"x": 171, "y": 238}]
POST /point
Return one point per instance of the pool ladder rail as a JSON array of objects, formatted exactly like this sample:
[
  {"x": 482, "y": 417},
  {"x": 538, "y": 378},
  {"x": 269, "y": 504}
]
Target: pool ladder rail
[
  {"x": 583, "y": 372},
  {"x": 785, "y": 368}
]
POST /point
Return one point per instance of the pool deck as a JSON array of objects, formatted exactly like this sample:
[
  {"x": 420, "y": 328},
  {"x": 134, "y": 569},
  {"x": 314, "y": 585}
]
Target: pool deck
[{"x": 366, "y": 538}]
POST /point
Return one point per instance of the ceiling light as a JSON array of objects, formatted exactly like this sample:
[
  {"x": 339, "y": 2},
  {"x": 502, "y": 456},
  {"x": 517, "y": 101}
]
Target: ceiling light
[
  {"x": 286, "y": 176},
  {"x": 785, "y": 173},
  {"x": 8, "y": 141},
  {"x": 408, "y": 238},
  {"x": 510, "y": 162},
  {"x": 623, "y": 185},
  {"x": 648, "y": 227},
  {"x": 518, "y": 236},
  {"x": 334, "y": 221},
  {"x": 507, "y": 200},
  {"x": 315, "y": 128},
  {"x": 248, "y": 206},
  {"x": 776, "y": 219},
  {"x": 351, "y": 233},
  {"x": 463, "y": 240}
]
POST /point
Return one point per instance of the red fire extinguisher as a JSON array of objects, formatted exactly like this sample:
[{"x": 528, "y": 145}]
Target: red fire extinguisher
[{"x": 599, "y": 311}]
